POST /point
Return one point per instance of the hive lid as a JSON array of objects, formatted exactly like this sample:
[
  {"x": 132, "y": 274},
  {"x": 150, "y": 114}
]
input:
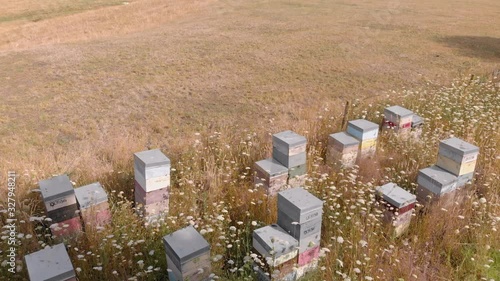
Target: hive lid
[
  {"x": 90, "y": 195},
  {"x": 274, "y": 238},
  {"x": 362, "y": 125},
  {"x": 50, "y": 264},
  {"x": 271, "y": 166},
  {"x": 399, "y": 111},
  {"x": 459, "y": 146},
  {"x": 55, "y": 187},
  {"x": 185, "y": 244},
  {"x": 395, "y": 195},
  {"x": 151, "y": 158},
  {"x": 298, "y": 201},
  {"x": 344, "y": 138},
  {"x": 289, "y": 138}
]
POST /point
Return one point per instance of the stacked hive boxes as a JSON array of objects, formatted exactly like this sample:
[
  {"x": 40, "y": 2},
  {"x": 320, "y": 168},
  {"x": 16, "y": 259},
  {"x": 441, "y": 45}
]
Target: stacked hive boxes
[
  {"x": 398, "y": 206},
  {"x": 288, "y": 164},
  {"x": 278, "y": 251},
  {"x": 271, "y": 174},
  {"x": 50, "y": 264},
  {"x": 342, "y": 150},
  {"x": 188, "y": 255},
  {"x": 289, "y": 149},
  {"x": 398, "y": 119},
  {"x": 152, "y": 183},
  {"x": 300, "y": 214},
  {"x": 60, "y": 202},
  {"x": 93, "y": 204},
  {"x": 366, "y": 132},
  {"x": 454, "y": 169}
]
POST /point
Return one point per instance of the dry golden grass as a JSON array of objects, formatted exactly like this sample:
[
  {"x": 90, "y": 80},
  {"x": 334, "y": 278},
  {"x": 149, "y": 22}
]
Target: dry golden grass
[{"x": 147, "y": 75}]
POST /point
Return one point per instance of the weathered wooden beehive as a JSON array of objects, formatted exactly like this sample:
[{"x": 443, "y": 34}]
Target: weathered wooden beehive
[
  {"x": 278, "y": 253},
  {"x": 289, "y": 149},
  {"x": 398, "y": 205},
  {"x": 270, "y": 174},
  {"x": 300, "y": 214},
  {"x": 93, "y": 203},
  {"x": 459, "y": 158},
  {"x": 435, "y": 184},
  {"x": 60, "y": 203},
  {"x": 398, "y": 118},
  {"x": 152, "y": 183},
  {"x": 342, "y": 150},
  {"x": 366, "y": 132},
  {"x": 188, "y": 255}
]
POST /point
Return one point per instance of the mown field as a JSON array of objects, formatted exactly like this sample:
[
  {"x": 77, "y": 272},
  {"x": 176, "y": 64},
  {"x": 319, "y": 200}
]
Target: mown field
[{"x": 85, "y": 84}]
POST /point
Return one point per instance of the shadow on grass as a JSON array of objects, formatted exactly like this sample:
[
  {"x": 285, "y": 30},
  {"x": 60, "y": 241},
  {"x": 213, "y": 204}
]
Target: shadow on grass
[{"x": 483, "y": 47}]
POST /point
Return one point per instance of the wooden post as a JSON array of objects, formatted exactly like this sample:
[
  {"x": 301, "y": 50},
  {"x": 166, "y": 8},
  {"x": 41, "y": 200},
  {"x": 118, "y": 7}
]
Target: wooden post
[{"x": 346, "y": 113}]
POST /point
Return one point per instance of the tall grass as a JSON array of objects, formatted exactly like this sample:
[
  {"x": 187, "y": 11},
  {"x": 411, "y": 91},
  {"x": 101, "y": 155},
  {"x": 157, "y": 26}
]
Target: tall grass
[{"x": 212, "y": 189}]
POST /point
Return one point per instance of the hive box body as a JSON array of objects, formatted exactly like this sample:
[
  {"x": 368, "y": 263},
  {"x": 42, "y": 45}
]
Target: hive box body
[
  {"x": 146, "y": 198},
  {"x": 271, "y": 175},
  {"x": 92, "y": 201},
  {"x": 289, "y": 143},
  {"x": 297, "y": 171},
  {"x": 301, "y": 271},
  {"x": 296, "y": 230},
  {"x": 50, "y": 264},
  {"x": 197, "y": 269},
  {"x": 275, "y": 243},
  {"x": 456, "y": 168},
  {"x": 290, "y": 161},
  {"x": 68, "y": 227},
  {"x": 436, "y": 180},
  {"x": 284, "y": 275},
  {"x": 464, "y": 180},
  {"x": 309, "y": 242},
  {"x": 184, "y": 245},
  {"x": 152, "y": 170},
  {"x": 308, "y": 256},
  {"x": 395, "y": 195},
  {"x": 367, "y": 148},
  {"x": 362, "y": 129},
  {"x": 57, "y": 192},
  {"x": 342, "y": 150},
  {"x": 153, "y": 210},
  {"x": 425, "y": 196},
  {"x": 152, "y": 184},
  {"x": 300, "y": 205},
  {"x": 63, "y": 214},
  {"x": 400, "y": 222}
]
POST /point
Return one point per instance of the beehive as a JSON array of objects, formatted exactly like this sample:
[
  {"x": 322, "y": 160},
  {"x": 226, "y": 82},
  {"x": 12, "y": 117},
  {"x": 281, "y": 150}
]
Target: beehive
[
  {"x": 434, "y": 183},
  {"x": 49, "y": 264},
  {"x": 188, "y": 255},
  {"x": 398, "y": 119},
  {"x": 60, "y": 202},
  {"x": 289, "y": 149},
  {"x": 300, "y": 214},
  {"x": 342, "y": 150},
  {"x": 398, "y": 206},
  {"x": 93, "y": 204},
  {"x": 366, "y": 132},
  {"x": 271, "y": 175},
  {"x": 457, "y": 156},
  {"x": 152, "y": 183}
]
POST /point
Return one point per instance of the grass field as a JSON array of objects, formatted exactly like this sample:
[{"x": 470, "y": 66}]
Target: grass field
[{"x": 84, "y": 84}]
